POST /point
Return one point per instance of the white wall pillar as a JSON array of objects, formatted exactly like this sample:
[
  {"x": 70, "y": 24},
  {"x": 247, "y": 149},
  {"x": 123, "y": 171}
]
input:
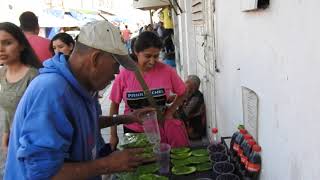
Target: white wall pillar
[
  {"x": 186, "y": 40},
  {"x": 190, "y": 43}
]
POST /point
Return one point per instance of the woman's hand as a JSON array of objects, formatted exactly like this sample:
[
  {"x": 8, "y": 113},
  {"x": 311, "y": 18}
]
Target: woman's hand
[
  {"x": 171, "y": 99},
  {"x": 168, "y": 114}
]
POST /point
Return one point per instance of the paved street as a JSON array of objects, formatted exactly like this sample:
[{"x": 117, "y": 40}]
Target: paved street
[{"x": 105, "y": 106}]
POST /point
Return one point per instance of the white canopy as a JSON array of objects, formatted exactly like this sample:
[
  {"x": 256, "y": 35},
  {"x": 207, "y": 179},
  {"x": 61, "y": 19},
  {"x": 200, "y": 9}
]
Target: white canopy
[
  {"x": 150, "y": 4},
  {"x": 46, "y": 20}
]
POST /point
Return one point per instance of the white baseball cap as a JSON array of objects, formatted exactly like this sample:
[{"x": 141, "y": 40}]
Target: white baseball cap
[{"x": 104, "y": 36}]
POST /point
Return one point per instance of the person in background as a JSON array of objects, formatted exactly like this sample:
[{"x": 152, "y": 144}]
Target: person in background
[
  {"x": 149, "y": 28},
  {"x": 141, "y": 29},
  {"x": 193, "y": 110},
  {"x": 169, "y": 59},
  {"x": 55, "y": 130},
  {"x": 161, "y": 80},
  {"x": 126, "y": 34},
  {"x": 30, "y": 26},
  {"x": 168, "y": 43},
  {"x": 63, "y": 43},
  {"x": 160, "y": 29},
  {"x": 20, "y": 67},
  {"x": 166, "y": 18}
]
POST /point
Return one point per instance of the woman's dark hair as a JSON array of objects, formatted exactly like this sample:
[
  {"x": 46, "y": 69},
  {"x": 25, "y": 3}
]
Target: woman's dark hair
[
  {"x": 27, "y": 56},
  {"x": 64, "y": 37},
  {"x": 28, "y": 21},
  {"x": 132, "y": 55},
  {"x": 144, "y": 41}
]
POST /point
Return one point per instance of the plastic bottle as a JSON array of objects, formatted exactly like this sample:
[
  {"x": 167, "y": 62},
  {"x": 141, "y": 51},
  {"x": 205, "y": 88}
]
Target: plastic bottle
[
  {"x": 233, "y": 138},
  {"x": 247, "y": 149},
  {"x": 236, "y": 145},
  {"x": 240, "y": 155},
  {"x": 246, "y": 137},
  {"x": 215, "y": 139},
  {"x": 215, "y": 144},
  {"x": 253, "y": 167}
]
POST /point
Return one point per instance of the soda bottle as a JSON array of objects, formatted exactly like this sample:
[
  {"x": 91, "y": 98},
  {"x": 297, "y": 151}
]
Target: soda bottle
[
  {"x": 234, "y": 137},
  {"x": 243, "y": 143},
  {"x": 246, "y": 137},
  {"x": 247, "y": 149},
  {"x": 237, "y": 142},
  {"x": 216, "y": 145},
  {"x": 253, "y": 166}
]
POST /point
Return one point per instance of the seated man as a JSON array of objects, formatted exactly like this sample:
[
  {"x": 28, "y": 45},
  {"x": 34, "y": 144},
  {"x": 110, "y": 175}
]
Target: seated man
[{"x": 192, "y": 111}]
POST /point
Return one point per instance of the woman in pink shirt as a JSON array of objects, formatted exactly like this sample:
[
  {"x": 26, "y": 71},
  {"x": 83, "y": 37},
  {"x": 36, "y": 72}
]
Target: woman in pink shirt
[{"x": 161, "y": 79}]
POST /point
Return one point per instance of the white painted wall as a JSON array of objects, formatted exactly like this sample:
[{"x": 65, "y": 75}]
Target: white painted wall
[
  {"x": 277, "y": 51},
  {"x": 186, "y": 39},
  {"x": 196, "y": 47}
]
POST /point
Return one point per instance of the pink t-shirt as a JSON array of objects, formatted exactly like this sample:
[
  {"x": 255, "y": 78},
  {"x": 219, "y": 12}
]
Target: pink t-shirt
[
  {"x": 161, "y": 80},
  {"x": 40, "y": 46}
]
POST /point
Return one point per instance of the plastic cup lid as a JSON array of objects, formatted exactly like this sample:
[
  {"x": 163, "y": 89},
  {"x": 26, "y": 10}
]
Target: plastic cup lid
[
  {"x": 243, "y": 131},
  {"x": 214, "y": 130},
  {"x": 256, "y": 148}
]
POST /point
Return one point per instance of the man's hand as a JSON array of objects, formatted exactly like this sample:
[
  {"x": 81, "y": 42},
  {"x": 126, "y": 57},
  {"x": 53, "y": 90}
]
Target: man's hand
[
  {"x": 126, "y": 160},
  {"x": 114, "y": 140},
  {"x": 5, "y": 143},
  {"x": 119, "y": 161},
  {"x": 136, "y": 115}
]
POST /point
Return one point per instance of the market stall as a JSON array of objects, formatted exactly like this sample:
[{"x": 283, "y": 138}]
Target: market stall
[{"x": 232, "y": 158}]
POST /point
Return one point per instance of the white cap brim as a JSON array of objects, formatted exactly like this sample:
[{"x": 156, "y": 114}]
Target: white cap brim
[{"x": 126, "y": 61}]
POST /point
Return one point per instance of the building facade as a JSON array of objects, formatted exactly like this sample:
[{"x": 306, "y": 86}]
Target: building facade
[{"x": 274, "y": 53}]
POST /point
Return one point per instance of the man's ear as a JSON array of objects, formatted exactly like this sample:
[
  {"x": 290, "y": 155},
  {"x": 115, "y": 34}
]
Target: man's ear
[
  {"x": 72, "y": 46},
  {"x": 94, "y": 58}
]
